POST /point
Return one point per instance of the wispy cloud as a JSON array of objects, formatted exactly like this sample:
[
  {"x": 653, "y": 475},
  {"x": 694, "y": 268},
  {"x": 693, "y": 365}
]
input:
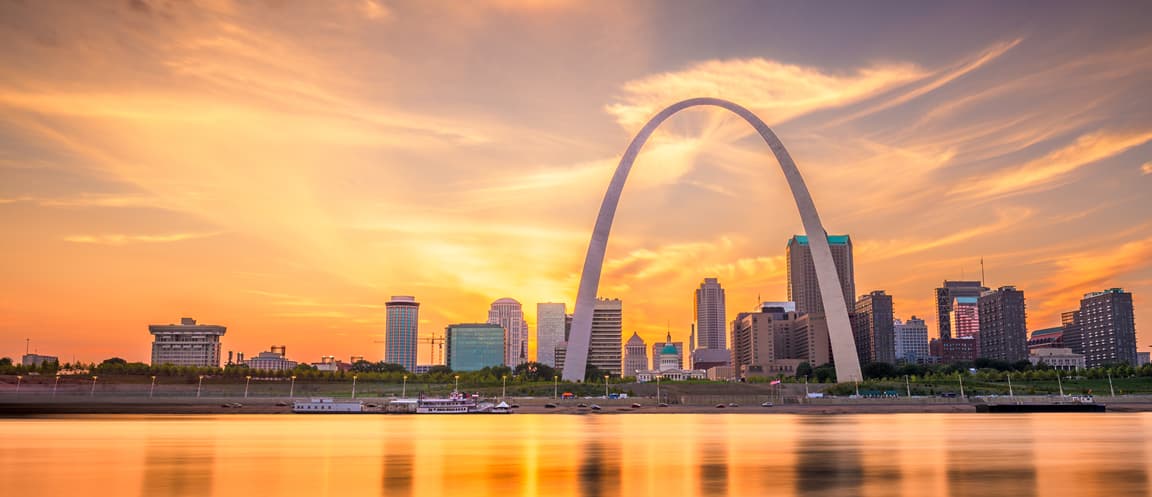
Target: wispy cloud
[
  {"x": 1054, "y": 168},
  {"x": 942, "y": 78},
  {"x": 1146, "y": 168},
  {"x": 116, "y": 240},
  {"x": 775, "y": 90}
]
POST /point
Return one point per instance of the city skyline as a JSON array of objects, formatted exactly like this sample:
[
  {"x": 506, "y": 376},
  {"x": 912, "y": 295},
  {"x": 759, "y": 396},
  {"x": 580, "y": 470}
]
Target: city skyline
[{"x": 289, "y": 199}]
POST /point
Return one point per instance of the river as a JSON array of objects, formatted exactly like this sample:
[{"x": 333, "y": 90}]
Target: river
[{"x": 666, "y": 455}]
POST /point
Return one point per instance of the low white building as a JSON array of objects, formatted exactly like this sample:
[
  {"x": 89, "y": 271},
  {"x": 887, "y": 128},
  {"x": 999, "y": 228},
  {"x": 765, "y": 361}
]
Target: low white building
[
  {"x": 272, "y": 360},
  {"x": 669, "y": 368},
  {"x": 1063, "y": 359}
]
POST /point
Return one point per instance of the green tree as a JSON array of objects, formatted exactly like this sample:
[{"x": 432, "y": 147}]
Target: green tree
[
  {"x": 534, "y": 371},
  {"x": 439, "y": 369},
  {"x": 387, "y": 367},
  {"x": 593, "y": 373},
  {"x": 877, "y": 370},
  {"x": 804, "y": 370}
]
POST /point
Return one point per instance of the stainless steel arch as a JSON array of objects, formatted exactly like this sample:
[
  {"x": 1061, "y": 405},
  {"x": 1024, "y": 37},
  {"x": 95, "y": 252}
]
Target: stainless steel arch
[{"x": 836, "y": 310}]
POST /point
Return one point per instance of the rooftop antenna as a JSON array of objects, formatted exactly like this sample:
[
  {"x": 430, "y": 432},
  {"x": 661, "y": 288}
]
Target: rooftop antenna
[
  {"x": 27, "y": 345},
  {"x": 982, "y": 280}
]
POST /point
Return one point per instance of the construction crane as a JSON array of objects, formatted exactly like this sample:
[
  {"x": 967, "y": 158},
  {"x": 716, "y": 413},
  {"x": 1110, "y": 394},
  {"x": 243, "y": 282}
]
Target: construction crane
[{"x": 438, "y": 341}]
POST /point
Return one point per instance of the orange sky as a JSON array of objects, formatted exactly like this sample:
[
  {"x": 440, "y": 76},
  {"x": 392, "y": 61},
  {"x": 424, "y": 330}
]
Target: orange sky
[{"x": 282, "y": 168}]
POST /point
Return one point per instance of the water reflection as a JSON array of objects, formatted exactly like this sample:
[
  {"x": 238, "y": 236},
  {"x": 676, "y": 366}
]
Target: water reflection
[
  {"x": 994, "y": 456},
  {"x": 397, "y": 466},
  {"x": 559, "y": 456},
  {"x": 828, "y": 460},
  {"x": 177, "y": 467}
]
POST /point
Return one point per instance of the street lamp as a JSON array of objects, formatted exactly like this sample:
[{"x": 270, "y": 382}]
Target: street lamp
[
  {"x": 55, "y": 386},
  {"x": 555, "y": 387},
  {"x": 19, "y": 379},
  {"x": 152, "y": 389},
  {"x": 247, "y": 381},
  {"x": 354, "y": 386},
  {"x": 404, "y": 388},
  {"x": 93, "y": 392},
  {"x": 503, "y": 386},
  {"x": 907, "y": 386},
  {"x": 605, "y": 386},
  {"x": 658, "y": 399},
  {"x": 457, "y": 387},
  {"x": 198, "y": 385},
  {"x": 292, "y": 389}
]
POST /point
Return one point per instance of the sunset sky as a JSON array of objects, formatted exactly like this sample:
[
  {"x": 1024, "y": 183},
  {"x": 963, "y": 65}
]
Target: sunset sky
[{"x": 283, "y": 167}]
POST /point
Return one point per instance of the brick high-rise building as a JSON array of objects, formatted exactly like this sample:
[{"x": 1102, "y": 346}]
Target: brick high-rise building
[
  {"x": 946, "y": 298},
  {"x": 1108, "y": 326},
  {"x": 873, "y": 327},
  {"x": 1003, "y": 325}
]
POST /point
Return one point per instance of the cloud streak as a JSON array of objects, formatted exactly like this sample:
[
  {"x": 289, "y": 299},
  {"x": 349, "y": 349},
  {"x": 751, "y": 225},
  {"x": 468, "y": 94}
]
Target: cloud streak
[{"x": 118, "y": 240}]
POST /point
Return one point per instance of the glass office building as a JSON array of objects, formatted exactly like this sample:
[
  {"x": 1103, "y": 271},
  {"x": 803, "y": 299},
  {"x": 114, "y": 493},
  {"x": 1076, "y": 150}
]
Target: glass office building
[{"x": 472, "y": 347}]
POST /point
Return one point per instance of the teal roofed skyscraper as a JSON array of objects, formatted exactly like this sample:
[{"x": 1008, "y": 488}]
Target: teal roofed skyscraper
[{"x": 802, "y": 286}]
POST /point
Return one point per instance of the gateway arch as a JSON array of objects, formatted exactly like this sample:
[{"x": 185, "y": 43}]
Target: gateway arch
[{"x": 836, "y": 310}]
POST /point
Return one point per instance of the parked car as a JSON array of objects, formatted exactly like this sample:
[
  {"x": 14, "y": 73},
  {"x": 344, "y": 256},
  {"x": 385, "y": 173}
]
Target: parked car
[
  {"x": 720, "y": 406},
  {"x": 595, "y": 407},
  {"x": 766, "y": 404},
  {"x": 549, "y": 406}
]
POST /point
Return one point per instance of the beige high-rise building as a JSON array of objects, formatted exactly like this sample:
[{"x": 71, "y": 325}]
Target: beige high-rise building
[
  {"x": 710, "y": 315},
  {"x": 635, "y": 355},
  {"x": 802, "y": 286},
  {"x": 508, "y": 313},
  {"x": 605, "y": 346},
  {"x": 550, "y": 326},
  {"x": 186, "y": 344}
]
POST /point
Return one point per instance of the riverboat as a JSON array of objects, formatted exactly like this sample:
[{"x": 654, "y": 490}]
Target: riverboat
[
  {"x": 456, "y": 403},
  {"x": 327, "y": 405},
  {"x": 1083, "y": 403}
]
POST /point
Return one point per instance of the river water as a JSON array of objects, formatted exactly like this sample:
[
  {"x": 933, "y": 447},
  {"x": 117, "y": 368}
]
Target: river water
[{"x": 667, "y": 455}]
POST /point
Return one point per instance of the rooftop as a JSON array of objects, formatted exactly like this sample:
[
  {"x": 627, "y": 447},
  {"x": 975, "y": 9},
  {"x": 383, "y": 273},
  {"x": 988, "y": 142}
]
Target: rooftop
[{"x": 832, "y": 239}]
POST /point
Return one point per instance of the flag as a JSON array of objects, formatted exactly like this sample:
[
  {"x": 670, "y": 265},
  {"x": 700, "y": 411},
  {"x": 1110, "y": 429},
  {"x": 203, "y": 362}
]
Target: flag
[{"x": 775, "y": 382}]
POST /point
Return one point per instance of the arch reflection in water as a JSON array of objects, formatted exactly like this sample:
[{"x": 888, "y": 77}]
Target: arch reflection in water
[{"x": 658, "y": 455}]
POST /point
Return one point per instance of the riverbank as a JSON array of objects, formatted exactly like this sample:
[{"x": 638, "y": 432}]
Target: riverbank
[{"x": 231, "y": 405}]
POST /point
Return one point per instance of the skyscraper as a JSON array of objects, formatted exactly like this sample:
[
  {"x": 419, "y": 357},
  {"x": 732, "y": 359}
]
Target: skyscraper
[
  {"x": 401, "y": 331},
  {"x": 606, "y": 340},
  {"x": 802, "y": 286},
  {"x": 710, "y": 315},
  {"x": 635, "y": 355},
  {"x": 472, "y": 347},
  {"x": 1108, "y": 326},
  {"x": 911, "y": 340},
  {"x": 1073, "y": 332},
  {"x": 550, "y": 326},
  {"x": 186, "y": 344},
  {"x": 946, "y": 296},
  {"x": 507, "y": 312},
  {"x": 1003, "y": 325},
  {"x": 873, "y": 327}
]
